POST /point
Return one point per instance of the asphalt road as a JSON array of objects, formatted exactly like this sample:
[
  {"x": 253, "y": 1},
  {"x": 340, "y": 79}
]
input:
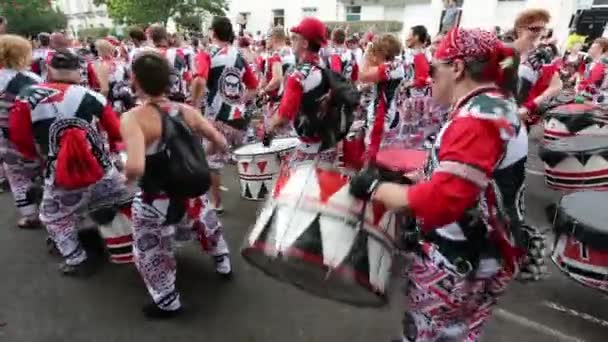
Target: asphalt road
[{"x": 39, "y": 305}]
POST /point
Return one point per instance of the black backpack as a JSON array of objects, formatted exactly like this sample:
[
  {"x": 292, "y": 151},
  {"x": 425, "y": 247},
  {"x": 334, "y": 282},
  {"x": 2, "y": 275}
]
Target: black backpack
[
  {"x": 182, "y": 170},
  {"x": 331, "y": 118}
]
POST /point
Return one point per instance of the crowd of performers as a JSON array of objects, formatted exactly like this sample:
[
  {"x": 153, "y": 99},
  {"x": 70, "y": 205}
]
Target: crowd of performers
[{"x": 469, "y": 98}]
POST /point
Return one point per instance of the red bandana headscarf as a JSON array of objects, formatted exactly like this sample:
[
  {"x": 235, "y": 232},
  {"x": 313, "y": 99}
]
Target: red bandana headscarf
[{"x": 475, "y": 45}]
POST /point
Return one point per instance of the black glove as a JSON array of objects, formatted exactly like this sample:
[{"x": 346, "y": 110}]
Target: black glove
[
  {"x": 267, "y": 139},
  {"x": 538, "y": 57},
  {"x": 363, "y": 185}
]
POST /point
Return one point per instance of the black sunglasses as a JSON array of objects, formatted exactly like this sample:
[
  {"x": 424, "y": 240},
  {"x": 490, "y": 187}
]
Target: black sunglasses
[
  {"x": 433, "y": 69},
  {"x": 536, "y": 29}
]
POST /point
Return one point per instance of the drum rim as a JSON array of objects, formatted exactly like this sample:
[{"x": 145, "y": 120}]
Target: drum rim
[
  {"x": 566, "y": 223},
  {"x": 278, "y": 150}
]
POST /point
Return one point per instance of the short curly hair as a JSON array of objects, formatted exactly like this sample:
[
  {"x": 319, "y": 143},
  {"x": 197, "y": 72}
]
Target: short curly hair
[
  {"x": 15, "y": 52},
  {"x": 387, "y": 46}
]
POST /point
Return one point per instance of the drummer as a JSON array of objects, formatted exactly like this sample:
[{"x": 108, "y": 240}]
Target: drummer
[
  {"x": 275, "y": 68},
  {"x": 302, "y": 90},
  {"x": 593, "y": 84},
  {"x": 386, "y": 72},
  {"x": 466, "y": 255}
]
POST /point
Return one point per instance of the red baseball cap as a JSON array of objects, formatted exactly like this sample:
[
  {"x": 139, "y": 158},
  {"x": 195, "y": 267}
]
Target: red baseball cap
[{"x": 312, "y": 29}]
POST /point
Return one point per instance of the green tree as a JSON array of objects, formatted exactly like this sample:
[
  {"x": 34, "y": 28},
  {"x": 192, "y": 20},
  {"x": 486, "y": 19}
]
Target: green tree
[
  {"x": 143, "y": 12},
  {"x": 30, "y": 17}
]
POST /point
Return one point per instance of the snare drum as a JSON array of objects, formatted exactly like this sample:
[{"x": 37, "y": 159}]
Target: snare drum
[
  {"x": 313, "y": 234},
  {"x": 574, "y": 119},
  {"x": 118, "y": 236},
  {"x": 581, "y": 246},
  {"x": 401, "y": 160},
  {"x": 576, "y": 163},
  {"x": 258, "y": 166}
]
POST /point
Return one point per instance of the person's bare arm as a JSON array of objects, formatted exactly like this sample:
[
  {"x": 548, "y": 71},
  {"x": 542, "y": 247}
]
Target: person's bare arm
[
  {"x": 135, "y": 146},
  {"x": 277, "y": 78},
  {"x": 198, "y": 91},
  {"x": 103, "y": 76},
  {"x": 203, "y": 128}
]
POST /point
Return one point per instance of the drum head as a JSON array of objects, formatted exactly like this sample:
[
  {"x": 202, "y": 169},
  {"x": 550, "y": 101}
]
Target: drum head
[
  {"x": 277, "y": 145},
  {"x": 573, "y": 109},
  {"x": 584, "y": 216},
  {"x": 401, "y": 160}
]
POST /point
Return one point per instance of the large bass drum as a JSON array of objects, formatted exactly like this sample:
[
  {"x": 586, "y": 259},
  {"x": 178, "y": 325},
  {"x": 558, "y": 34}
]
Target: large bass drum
[
  {"x": 313, "y": 234},
  {"x": 581, "y": 246}
]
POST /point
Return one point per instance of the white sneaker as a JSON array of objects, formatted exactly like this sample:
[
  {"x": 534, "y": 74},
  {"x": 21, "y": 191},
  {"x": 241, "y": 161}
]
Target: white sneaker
[
  {"x": 223, "y": 188},
  {"x": 222, "y": 265}
]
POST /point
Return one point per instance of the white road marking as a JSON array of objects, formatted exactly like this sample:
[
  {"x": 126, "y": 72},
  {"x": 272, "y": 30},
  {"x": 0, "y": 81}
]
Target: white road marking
[
  {"x": 571, "y": 312},
  {"x": 535, "y": 172},
  {"x": 541, "y": 328}
]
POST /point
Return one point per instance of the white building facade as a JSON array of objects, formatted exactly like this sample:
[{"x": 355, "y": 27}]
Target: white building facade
[
  {"x": 83, "y": 14},
  {"x": 476, "y": 13}
]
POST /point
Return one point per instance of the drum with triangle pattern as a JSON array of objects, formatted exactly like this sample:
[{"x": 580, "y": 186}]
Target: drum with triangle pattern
[
  {"x": 258, "y": 166},
  {"x": 576, "y": 163},
  {"x": 575, "y": 119},
  {"x": 313, "y": 234},
  {"x": 581, "y": 243}
]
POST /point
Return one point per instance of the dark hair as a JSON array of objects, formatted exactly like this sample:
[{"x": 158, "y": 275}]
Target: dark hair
[
  {"x": 222, "y": 28},
  {"x": 339, "y": 36},
  {"x": 152, "y": 72},
  {"x": 314, "y": 47},
  {"x": 3, "y": 20},
  {"x": 422, "y": 34},
  {"x": 476, "y": 70},
  {"x": 44, "y": 39},
  {"x": 137, "y": 34},
  {"x": 158, "y": 34}
]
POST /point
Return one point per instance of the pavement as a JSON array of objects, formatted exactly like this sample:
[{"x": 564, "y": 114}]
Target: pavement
[{"x": 39, "y": 305}]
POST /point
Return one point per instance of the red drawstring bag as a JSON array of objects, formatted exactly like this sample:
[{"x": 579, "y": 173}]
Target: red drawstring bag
[{"x": 76, "y": 167}]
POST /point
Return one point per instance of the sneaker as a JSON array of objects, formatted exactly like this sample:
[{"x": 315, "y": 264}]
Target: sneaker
[
  {"x": 223, "y": 267},
  {"x": 85, "y": 269},
  {"x": 219, "y": 209},
  {"x": 223, "y": 188},
  {"x": 152, "y": 311}
]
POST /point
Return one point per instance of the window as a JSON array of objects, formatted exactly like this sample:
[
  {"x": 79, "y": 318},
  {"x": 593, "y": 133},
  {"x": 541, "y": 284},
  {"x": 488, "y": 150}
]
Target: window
[
  {"x": 353, "y": 13},
  {"x": 309, "y": 11},
  {"x": 278, "y": 17}
]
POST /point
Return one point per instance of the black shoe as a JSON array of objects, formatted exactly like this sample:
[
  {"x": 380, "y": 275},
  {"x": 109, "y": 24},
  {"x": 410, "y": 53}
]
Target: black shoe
[
  {"x": 85, "y": 269},
  {"x": 152, "y": 311},
  {"x": 51, "y": 247}
]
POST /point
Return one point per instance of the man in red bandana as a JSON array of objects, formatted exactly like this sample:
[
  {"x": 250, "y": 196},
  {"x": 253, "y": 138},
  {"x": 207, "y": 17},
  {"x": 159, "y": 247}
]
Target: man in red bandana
[{"x": 463, "y": 255}]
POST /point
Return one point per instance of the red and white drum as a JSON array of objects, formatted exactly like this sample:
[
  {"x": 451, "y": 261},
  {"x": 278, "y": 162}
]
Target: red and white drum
[
  {"x": 258, "y": 166},
  {"x": 581, "y": 246},
  {"x": 402, "y": 160},
  {"x": 352, "y": 148},
  {"x": 576, "y": 163},
  {"x": 574, "y": 119},
  {"x": 313, "y": 234},
  {"x": 118, "y": 236}
]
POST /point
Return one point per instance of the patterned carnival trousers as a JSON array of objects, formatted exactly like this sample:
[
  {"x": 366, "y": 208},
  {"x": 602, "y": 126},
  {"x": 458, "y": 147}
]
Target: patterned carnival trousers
[
  {"x": 153, "y": 248},
  {"x": 62, "y": 210},
  {"x": 445, "y": 306},
  {"x": 23, "y": 177}
]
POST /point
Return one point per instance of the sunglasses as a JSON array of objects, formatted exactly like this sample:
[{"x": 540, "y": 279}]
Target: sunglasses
[
  {"x": 433, "y": 68},
  {"x": 536, "y": 29}
]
